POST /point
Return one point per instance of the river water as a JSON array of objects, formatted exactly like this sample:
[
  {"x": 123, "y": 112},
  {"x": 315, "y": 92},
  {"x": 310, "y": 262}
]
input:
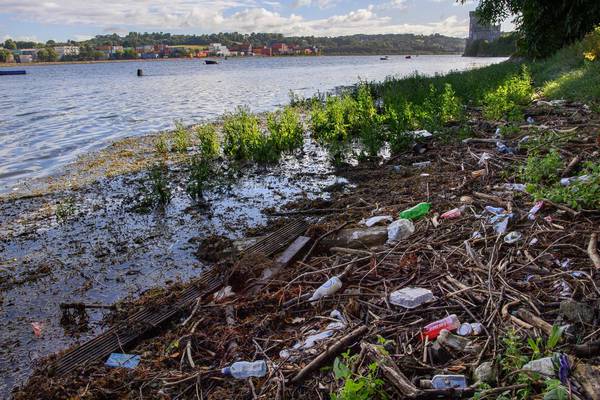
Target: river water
[{"x": 57, "y": 112}]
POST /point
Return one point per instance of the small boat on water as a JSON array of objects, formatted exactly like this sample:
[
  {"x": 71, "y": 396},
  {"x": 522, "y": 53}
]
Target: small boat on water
[
  {"x": 408, "y": 57},
  {"x": 13, "y": 72},
  {"x": 385, "y": 58},
  {"x": 210, "y": 62}
]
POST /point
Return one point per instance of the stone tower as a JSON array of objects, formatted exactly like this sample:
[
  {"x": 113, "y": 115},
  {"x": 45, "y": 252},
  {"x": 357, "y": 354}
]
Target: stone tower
[{"x": 481, "y": 31}]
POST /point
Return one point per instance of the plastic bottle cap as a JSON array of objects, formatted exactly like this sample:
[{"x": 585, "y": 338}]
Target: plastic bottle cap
[{"x": 465, "y": 329}]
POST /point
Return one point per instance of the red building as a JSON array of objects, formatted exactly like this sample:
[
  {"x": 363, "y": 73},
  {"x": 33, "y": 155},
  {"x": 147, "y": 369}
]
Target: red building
[
  {"x": 280, "y": 49},
  {"x": 263, "y": 51}
]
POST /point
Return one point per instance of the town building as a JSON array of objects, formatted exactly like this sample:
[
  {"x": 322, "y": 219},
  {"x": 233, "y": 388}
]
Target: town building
[
  {"x": 218, "y": 49},
  {"x": 262, "y": 51},
  {"x": 244, "y": 49},
  {"x": 280, "y": 49},
  {"x": 482, "y": 31},
  {"x": 66, "y": 51}
]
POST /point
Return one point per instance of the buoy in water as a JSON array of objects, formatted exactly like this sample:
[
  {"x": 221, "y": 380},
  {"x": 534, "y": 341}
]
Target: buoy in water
[{"x": 140, "y": 72}]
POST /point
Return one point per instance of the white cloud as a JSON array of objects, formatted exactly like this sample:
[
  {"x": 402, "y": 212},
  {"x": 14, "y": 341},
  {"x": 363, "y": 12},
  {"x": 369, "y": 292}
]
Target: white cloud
[{"x": 217, "y": 16}]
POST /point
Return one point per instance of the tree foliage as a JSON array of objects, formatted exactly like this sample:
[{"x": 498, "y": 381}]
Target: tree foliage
[
  {"x": 10, "y": 44},
  {"x": 47, "y": 54},
  {"x": 544, "y": 26}
]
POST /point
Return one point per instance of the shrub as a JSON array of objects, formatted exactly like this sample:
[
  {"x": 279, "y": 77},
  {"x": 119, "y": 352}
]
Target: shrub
[
  {"x": 242, "y": 134},
  {"x": 199, "y": 172},
  {"x": 160, "y": 192},
  {"x": 508, "y": 99},
  {"x": 181, "y": 138},
  {"x": 208, "y": 141},
  {"x": 591, "y": 45},
  {"x": 543, "y": 170},
  {"x": 286, "y": 131},
  {"x": 161, "y": 145}
]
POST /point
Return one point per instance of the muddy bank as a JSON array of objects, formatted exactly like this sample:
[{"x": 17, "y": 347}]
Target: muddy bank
[
  {"x": 91, "y": 244},
  {"x": 473, "y": 271}
]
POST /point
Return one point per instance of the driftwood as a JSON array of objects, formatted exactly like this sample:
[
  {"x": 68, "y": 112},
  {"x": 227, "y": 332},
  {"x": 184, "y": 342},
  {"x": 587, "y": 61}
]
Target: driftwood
[
  {"x": 390, "y": 370},
  {"x": 334, "y": 350},
  {"x": 535, "y": 321},
  {"x": 593, "y": 250}
]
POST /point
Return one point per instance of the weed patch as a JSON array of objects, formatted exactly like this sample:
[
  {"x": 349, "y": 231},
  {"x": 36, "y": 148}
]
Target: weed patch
[{"x": 182, "y": 139}]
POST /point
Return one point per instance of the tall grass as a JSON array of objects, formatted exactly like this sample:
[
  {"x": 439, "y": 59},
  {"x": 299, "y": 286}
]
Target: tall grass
[
  {"x": 242, "y": 134},
  {"x": 208, "y": 141},
  {"x": 182, "y": 139}
]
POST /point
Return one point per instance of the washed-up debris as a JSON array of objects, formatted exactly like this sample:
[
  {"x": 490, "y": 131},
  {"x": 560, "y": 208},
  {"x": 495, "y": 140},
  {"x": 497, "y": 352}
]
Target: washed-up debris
[
  {"x": 411, "y": 297},
  {"x": 377, "y": 220},
  {"x": 486, "y": 373},
  {"x": 245, "y": 369},
  {"x": 400, "y": 230},
  {"x": 223, "y": 294},
  {"x": 357, "y": 237},
  {"x": 424, "y": 164},
  {"x": 453, "y": 214},
  {"x": 513, "y": 237},
  {"x": 445, "y": 382},
  {"x": 327, "y": 289},
  {"x": 118, "y": 360},
  {"x": 433, "y": 330},
  {"x": 536, "y": 208},
  {"x": 500, "y": 219},
  {"x": 37, "y": 328},
  {"x": 470, "y": 329},
  {"x": 416, "y": 212}
]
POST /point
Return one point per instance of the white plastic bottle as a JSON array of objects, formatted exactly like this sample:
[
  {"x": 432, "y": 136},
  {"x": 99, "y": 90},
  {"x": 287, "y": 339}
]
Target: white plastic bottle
[
  {"x": 327, "y": 289},
  {"x": 245, "y": 369}
]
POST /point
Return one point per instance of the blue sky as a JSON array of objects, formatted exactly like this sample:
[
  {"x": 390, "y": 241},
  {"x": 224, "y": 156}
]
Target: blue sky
[{"x": 81, "y": 19}]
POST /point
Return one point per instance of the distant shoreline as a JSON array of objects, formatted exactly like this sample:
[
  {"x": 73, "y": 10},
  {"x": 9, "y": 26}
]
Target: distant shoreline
[{"x": 38, "y": 64}]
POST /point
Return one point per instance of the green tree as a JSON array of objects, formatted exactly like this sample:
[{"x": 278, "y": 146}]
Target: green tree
[
  {"x": 4, "y": 55},
  {"x": 10, "y": 44},
  {"x": 47, "y": 54},
  {"x": 544, "y": 26}
]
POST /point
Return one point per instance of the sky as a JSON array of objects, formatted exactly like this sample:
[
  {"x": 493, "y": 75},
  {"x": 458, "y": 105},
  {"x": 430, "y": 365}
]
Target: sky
[{"x": 41, "y": 20}]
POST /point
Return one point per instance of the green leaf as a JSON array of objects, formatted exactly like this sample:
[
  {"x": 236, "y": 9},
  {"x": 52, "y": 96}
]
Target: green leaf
[{"x": 340, "y": 370}]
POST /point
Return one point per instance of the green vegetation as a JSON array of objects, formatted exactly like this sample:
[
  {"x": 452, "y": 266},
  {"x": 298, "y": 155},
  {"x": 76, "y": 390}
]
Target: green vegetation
[
  {"x": 507, "y": 101},
  {"x": 65, "y": 209},
  {"x": 208, "y": 140},
  {"x": 4, "y": 55},
  {"x": 544, "y": 26},
  {"x": 160, "y": 192},
  {"x": 161, "y": 144},
  {"x": 356, "y": 386},
  {"x": 286, "y": 131},
  {"x": 199, "y": 171},
  {"x": 47, "y": 54},
  {"x": 517, "y": 353},
  {"x": 505, "y": 46},
  {"x": 245, "y": 141},
  {"x": 242, "y": 134},
  {"x": 182, "y": 138}
]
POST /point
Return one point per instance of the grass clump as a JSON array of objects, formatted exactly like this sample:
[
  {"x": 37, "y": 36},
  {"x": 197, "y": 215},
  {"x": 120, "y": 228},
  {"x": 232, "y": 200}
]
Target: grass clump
[
  {"x": 330, "y": 122},
  {"x": 208, "y": 141},
  {"x": 182, "y": 138},
  {"x": 507, "y": 101},
  {"x": 242, "y": 134},
  {"x": 543, "y": 169},
  {"x": 161, "y": 145}
]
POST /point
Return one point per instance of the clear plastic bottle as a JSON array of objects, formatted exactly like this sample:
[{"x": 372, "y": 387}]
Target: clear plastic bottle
[
  {"x": 245, "y": 369},
  {"x": 327, "y": 289},
  {"x": 432, "y": 331}
]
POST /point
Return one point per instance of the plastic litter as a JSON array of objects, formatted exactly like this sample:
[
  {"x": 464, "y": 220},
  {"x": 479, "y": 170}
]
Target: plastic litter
[
  {"x": 377, "y": 220},
  {"x": 484, "y": 158},
  {"x": 400, "y": 230},
  {"x": 445, "y": 382},
  {"x": 504, "y": 149},
  {"x": 423, "y": 164},
  {"x": 411, "y": 297},
  {"x": 327, "y": 289},
  {"x": 416, "y": 212},
  {"x": 453, "y": 214},
  {"x": 536, "y": 208},
  {"x": 530, "y": 120},
  {"x": 223, "y": 294},
  {"x": 245, "y": 369},
  {"x": 513, "y": 237},
  {"x": 37, "y": 328},
  {"x": 517, "y": 187},
  {"x": 453, "y": 342},
  {"x": 340, "y": 324},
  {"x": 118, "y": 360},
  {"x": 432, "y": 331},
  {"x": 575, "y": 179},
  {"x": 499, "y": 219},
  {"x": 543, "y": 366},
  {"x": 422, "y": 134}
]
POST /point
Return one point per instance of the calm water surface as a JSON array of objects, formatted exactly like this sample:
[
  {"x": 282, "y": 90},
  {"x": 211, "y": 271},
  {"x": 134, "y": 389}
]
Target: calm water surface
[{"x": 57, "y": 112}]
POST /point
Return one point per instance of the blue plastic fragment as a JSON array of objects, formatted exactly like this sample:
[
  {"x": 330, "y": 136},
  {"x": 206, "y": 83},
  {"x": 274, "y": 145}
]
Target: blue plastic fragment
[
  {"x": 564, "y": 369},
  {"x": 118, "y": 360}
]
